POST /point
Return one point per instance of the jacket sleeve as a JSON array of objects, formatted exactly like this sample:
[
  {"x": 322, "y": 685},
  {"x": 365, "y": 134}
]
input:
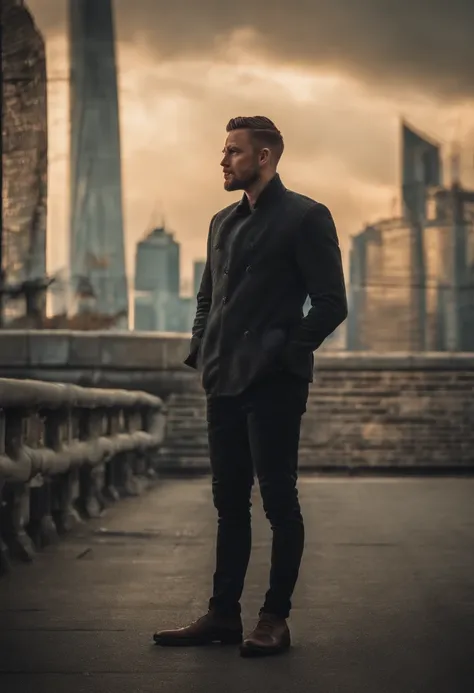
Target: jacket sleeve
[
  {"x": 204, "y": 299},
  {"x": 319, "y": 261}
]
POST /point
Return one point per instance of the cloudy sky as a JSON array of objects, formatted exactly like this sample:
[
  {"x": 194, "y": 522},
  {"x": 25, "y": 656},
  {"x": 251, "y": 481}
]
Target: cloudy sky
[{"x": 334, "y": 75}]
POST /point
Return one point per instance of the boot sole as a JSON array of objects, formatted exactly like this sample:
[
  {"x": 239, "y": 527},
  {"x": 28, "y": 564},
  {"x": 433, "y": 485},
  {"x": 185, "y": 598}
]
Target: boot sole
[
  {"x": 227, "y": 639},
  {"x": 250, "y": 650}
]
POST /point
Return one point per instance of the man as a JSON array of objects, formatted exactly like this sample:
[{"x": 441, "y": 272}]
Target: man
[{"x": 265, "y": 254}]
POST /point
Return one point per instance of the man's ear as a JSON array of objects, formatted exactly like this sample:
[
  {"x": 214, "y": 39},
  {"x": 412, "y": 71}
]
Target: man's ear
[{"x": 264, "y": 156}]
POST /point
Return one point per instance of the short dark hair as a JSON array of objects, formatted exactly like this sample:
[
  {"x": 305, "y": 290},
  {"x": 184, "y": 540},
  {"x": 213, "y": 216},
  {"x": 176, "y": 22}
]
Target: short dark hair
[{"x": 264, "y": 132}]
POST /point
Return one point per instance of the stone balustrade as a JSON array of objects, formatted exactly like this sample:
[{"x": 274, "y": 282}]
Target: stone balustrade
[{"x": 65, "y": 451}]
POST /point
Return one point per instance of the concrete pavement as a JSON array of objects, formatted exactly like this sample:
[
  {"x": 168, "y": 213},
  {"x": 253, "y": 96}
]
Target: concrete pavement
[{"x": 385, "y": 602}]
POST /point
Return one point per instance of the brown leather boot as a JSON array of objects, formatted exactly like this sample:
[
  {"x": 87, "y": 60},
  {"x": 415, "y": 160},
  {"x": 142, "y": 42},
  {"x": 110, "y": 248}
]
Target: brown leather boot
[
  {"x": 270, "y": 636},
  {"x": 205, "y": 630}
]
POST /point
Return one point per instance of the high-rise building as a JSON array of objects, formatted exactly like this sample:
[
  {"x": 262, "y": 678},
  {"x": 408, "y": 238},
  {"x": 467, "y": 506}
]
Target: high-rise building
[
  {"x": 97, "y": 254},
  {"x": 25, "y": 141},
  {"x": 411, "y": 278},
  {"x": 449, "y": 270},
  {"x": 157, "y": 260},
  {"x": 421, "y": 170},
  {"x": 382, "y": 315},
  {"x": 157, "y": 273}
]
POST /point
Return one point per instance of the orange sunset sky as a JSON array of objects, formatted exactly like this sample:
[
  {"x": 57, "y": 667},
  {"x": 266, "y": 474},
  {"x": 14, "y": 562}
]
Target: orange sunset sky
[{"x": 334, "y": 75}]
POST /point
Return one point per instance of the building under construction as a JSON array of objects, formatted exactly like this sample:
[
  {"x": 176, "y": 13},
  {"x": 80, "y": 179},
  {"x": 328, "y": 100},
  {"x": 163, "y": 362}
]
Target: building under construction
[{"x": 412, "y": 277}]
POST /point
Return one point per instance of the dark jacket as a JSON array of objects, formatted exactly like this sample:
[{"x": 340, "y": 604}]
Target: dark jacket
[{"x": 249, "y": 320}]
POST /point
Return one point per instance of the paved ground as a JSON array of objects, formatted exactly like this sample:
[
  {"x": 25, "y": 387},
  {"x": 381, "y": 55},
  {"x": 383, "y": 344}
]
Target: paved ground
[{"x": 385, "y": 603}]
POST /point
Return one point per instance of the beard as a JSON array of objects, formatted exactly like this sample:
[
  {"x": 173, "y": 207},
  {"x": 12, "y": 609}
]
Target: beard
[{"x": 243, "y": 183}]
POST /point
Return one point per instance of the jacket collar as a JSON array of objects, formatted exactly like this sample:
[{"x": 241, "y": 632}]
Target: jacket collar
[{"x": 269, "y": 195}]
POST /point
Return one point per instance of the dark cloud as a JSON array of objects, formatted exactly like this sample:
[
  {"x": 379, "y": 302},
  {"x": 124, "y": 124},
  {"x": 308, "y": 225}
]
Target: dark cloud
[
  {"x": 342, "y": 136},
  {"x": 426, "y": 44},
  {"x": 327, "y": 155}
]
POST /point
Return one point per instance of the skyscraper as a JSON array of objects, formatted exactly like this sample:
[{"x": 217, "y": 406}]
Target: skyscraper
[
  {"x": 411, "y": 278},
  {"x": 97, "y": 254},
  {"x": 157, "y": 282},
  {"x": 421, "y": 169}
]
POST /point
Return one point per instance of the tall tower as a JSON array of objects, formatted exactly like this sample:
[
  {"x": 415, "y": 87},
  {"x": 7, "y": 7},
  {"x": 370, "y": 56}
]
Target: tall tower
[
  {"x": 97, "y": 255},
  {"x": 421, "y": 170}
]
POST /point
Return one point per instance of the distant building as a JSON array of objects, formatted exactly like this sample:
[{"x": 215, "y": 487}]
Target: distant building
[
  {"x": 411, "y": 282},
  {"x": 97, "y": 252},
  {"x": 188, "y": 311},
  {"x": 190, "y": 306},
  {"x": 198, "y": 271},
  {"x": 158, "y": 305},
  {"x": 25, "y": 146},
  {"x": 157, "y": 262},
  {"x": 449, "y": 271},
  {"x": 383, "y": 306}
]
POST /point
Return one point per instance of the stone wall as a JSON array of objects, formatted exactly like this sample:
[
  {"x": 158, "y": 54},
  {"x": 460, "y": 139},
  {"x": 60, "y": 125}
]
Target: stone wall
[
  {"x": 365, "y": 411},
  {"x": 391, "y": 411},
  {"x": 24, "y": 139}
]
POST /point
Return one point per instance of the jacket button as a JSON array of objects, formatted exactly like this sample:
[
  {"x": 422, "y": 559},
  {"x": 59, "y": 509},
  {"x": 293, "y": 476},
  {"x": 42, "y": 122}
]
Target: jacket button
[
  {"x": 225, "y": 299},
  {"x": 226, "y": 270},
  {"x": 246, "y": 333},
  {"x": 248, "y": 268}
]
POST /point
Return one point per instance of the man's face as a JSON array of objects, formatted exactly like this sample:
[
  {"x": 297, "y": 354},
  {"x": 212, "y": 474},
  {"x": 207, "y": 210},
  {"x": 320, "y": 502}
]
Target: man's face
[{"x": 240, "y": 163}]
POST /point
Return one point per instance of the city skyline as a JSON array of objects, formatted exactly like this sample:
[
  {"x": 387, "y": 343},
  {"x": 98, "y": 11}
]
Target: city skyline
[{"x": 340, "y": 122}]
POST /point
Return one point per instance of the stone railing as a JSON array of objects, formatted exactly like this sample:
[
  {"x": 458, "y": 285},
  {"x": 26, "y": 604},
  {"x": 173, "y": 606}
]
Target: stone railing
[{"x": 64, "y": 452}]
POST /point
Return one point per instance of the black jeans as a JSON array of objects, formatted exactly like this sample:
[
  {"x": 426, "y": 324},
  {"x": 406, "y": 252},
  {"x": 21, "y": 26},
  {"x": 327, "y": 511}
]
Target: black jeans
[{"x": 258, "y": 429}]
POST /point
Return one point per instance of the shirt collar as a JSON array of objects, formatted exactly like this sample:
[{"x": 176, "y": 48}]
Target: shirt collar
[{"x": 270, "y": 194}]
